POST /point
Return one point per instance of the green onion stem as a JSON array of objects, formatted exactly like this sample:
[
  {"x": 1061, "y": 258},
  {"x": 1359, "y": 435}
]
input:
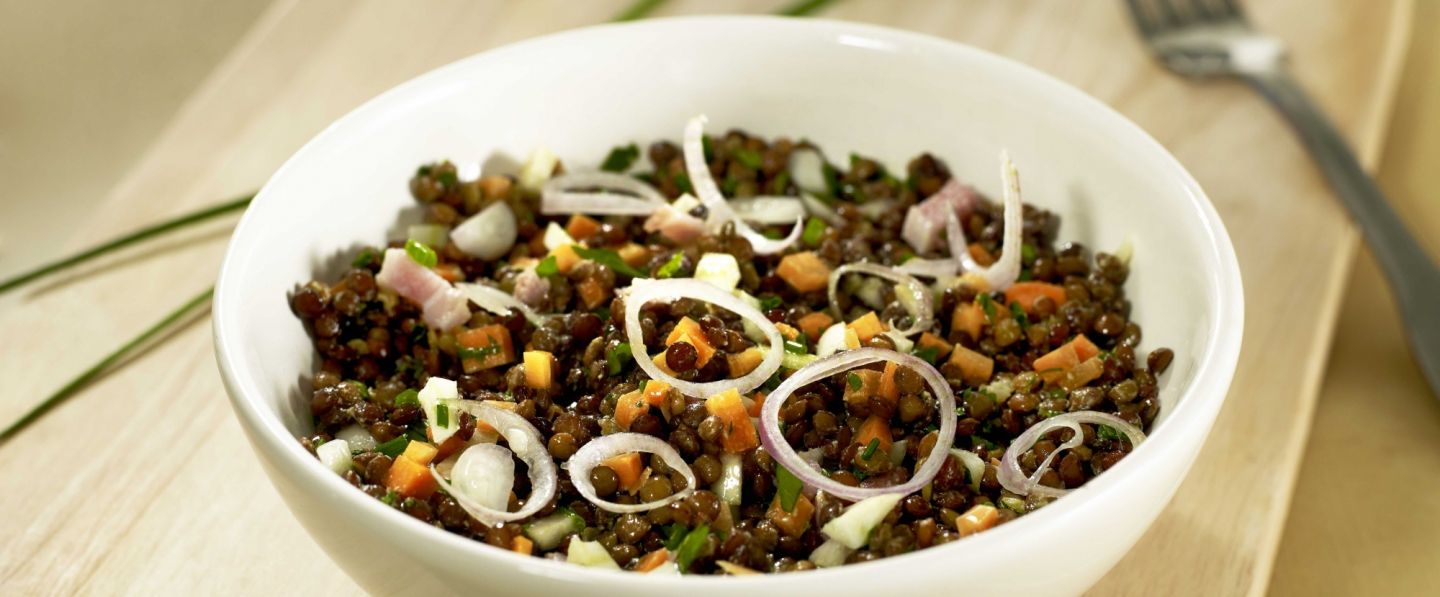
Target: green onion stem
[
  {"x": 127, "y": 240},
  {"x": 637, "y": 10},
  {"x": 804, "y": 7},
  {"x": 94, "y": 371}
]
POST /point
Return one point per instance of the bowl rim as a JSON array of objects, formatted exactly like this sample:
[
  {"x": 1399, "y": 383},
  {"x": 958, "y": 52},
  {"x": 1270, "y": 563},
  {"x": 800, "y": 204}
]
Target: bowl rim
[{"x": 1199, "y": 403}]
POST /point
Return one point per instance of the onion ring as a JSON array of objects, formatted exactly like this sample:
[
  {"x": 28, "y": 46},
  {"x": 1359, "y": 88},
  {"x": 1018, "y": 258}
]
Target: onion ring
[
  {"x": 1001, "y": 274},
  {"x": 780, "y": 450},
  {"x": 499, "y": 302},
  {"x": 597, "y": 450},
  {"x": 709, "y": 195},
  {"x": 525, "y": 441},
  {"x": 924, "y": 314},
  {"x": 1013, "y": 479},
  {"x": 645, "y": 290},
  {"x": 631, "y": 196}
]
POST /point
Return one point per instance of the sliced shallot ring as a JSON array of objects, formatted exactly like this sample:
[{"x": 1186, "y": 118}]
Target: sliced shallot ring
[
  {"x": 645, "y": 290},
  {"x": 780, "y": 450},
  {"x": 525, "y": 441},
  {"x": 1013, "y": 479},
  {"x": 817, "y": 208},
  {"x": 499, "y": 302},
  {"x": 1001, "y": 274},
  {"x": 768, "y": 209},
  {"x": 709, "y": 195},
  {"x": 599, "y": 449},
  {"x": 630, "y": 196},
  {"x": 929, "y": 268},
  {"x": 924, "y": 314}
]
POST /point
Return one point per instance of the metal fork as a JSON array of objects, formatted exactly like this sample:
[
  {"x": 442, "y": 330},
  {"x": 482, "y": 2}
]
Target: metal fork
[{"x": 1212, "y": 38}]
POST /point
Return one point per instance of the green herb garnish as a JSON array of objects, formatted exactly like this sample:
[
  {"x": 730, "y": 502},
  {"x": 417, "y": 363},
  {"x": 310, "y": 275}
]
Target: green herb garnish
[
  {"x": 1028, "y": 253},
  {"x": 480, "y": 353},
  {"x": 390, "y": 498},
  {"x": 854, "y": 381},
  {"x": 871, "y": 448},
  {"x": 1020, "y": 315},
  {"x": 672, "y": 266},
  {"x": 797, "y": 346},
  {"x": 364, "y": 259},
  {"x": 751, "y": 159},
  {"x": 770, "y": 302},
  {"x": 674, "y": 534},
  {"x": 1107, "y": 432},
  {"x": 442, "y": 415},
  {"x": 448, "y": 178},
  {"x": 617, "y": 357},
  {"x": 407, "y": 398},
  {"x": 547, "y": 267},
  {"x": 682, "y": 182},
  {"x": 928, "y": 353},
  {"x": 620, "y": 158},
  {"x": 988, "y": 306},
  {"x": 814, "y": 231},
  {"x": 422, "y": 254},
  {"x": 690, "y": 547},
  {"x": 609, "y": 259},
  {"x": 787, "y": 486},
  {"x": 394, "y": 447}
]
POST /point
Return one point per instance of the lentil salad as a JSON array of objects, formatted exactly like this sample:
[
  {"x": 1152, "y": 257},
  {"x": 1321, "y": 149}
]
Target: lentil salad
[{"x": 848, "y": 364}]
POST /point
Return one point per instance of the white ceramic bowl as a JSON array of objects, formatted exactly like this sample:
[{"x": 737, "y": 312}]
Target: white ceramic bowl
[{"x": 848, "y": 87}]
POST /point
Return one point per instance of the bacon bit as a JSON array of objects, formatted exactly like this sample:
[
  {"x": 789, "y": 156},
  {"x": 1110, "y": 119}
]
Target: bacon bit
[
  {"x": 680, "y": 228},
  {"x": 926, "y": 220},
  {"x": 443, "y": 306}
]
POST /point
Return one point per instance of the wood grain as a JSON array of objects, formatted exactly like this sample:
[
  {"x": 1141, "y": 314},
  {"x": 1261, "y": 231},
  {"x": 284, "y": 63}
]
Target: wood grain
[{"x": 157, "y": 492}]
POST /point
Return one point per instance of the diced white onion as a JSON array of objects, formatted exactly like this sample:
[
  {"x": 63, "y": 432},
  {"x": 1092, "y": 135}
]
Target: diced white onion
[
  {"x": 719, "y": 269},
  {"x": 485, "y": 473},
  {"x": 807, "y": 171},
  {"x": 597, "y": 450},
  {"x": 875, "y": 208},
  {"x": 852, "y": 527},
  {"x": 1013, "y": 479},
  {"x": 357, "y": 437},
  {"x": 768, "y": 209},
  {"x": 430, "y": 235},
  {"x": 439, "y": 390},
  {"x": 643, "y": 291},
  {"x": 537, "y": 169},
  {"x": 556, "y": 237},
  {"x": 973, "y": 465},
  {"x": 830, "y": 554},
  {"x": 831, "y": 341},
  {"x": 335, "y": 455},
  {"x": 527, "y": 444},
  {"x": 897, "y": 451},
  {"x": 487, "y": 235},
  {"x": 590, "y": 554},
  {"x": 729, "y": 485}
]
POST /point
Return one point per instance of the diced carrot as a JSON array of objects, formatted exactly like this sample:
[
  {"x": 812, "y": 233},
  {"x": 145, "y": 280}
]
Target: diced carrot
[
  {"x": 867, "y": 326},
  {"x": 450, "y": 446},
  {"x": 814, "y": 324},
  {"x": 634, "y": 254},
  {"x": 975, "y": 368},
  {"x": 539, "y": 369},
  {"x": 929, "y": 340},
  {"x": 628, "y": 406},
  {"x": 852, "y": 340},
  {"x": 872, "y": 429},
  {"x": 1053, "y": 365},
  {"x": 492, "y": 341},
  {"x": 495, "y": 186},
  {"x": 688, "y": 331},
  {"x": 888, "y": 389},
  {"x": 653, "y": 560},
  {"x": 787, "y": 331},
  {"x": 976, "y": 519},
  {"x": 980, "y": 255},
  {"x": 795, "y": 522},
  {"x": 627, "y": 469},
  {"x": 805, "y": 272},
  {"x": 522, "y": 545},
  {"x": 483, "y": 427},
  {"x": 657, "y": 392},
  {"x": 968, "y": 318},
  {"x": 1084, "y": 348},
  {"x": 410, "y": 478},
  {"x": 581, "y": 227},
  {"x": 860, "y": 385},
  {"x": 1079, "y": 375},
  {"x": 450, "y": 272},
  {"x": 1025, "y": 293},
  {"x": 745, "y": 361},
  {"x": 592, "y": 293},
  {"x": 659, "y": 360},
  {"x": 420, "y": 452},
  {"x": 738, "y": 432},
  {"x": 757, "y": 403},
  {"x": 565, "y": 258}
]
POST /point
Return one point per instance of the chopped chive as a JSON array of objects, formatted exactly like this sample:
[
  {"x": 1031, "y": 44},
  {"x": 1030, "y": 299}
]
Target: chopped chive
[
  {"x": 422, "y": 254},
  {"x": 988, "y": 306},
  {"x": 690, "y": 547},
  {"x": 1107, "y": 432},
  {"x": 620, "y": 158},
  {"x": 364, "y": 259},
  {"x": 928, "y": 353},
  {"x": 854, "y": 381},
  {"x": 442, "y": 415},
  {"x": 751, "y": 159},
  {"x": 779, "y": 183},
  {"x": 617, "y": 357},
  {"x": 547, "y": 267},
  {"x": 796, "y": 346},
  {"x": 672, "y": 266},
  {"x": 787, "y": 487},
  {"x": 394, "y": 447},
  {"x": 482, "y": 352},
  {"x": 814, "y": 231},
  {"x": 871, "y": 448},
  {"x": 390, "y": 498},
  {"x": 1020, "y": 315},
  {"x": 768, "y": 303},
  {"x": 408, "y": 398},
  {"x": 674, "y": 534},
  {"x": 609, "y": 259}
]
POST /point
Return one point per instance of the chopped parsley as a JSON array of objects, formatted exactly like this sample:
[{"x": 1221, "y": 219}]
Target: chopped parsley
[
  {"x": 390, "y": 498},
  {"x": 672, "y": 266},
  {"x": 609, "y": 259},
  {"x": 617, "y": 357},
  {"x": 928, "y": 353},
  {"x": 770, "y": 302},
  {"x": 422, "y": 254},
  {"x": 1107, "y": 432},
  {"x": 854, "y": 381},
  {"x": 547, "y": 267},
  {"x": 787, "y": 487},
  {"x": 814, "y": 231},
  {"x": 620, "y": 158},
  {"x": 394, "y": 447}
]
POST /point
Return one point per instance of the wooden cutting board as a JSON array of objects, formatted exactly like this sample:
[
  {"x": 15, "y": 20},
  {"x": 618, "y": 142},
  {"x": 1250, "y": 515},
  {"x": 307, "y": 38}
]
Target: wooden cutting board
[{"x": 145, "y": 483}]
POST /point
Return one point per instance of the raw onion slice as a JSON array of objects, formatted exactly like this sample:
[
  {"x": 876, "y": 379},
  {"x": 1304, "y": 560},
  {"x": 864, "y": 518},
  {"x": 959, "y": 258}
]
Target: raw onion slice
[
  {"x": 598, "y": 450},
  {"x": 780, "y": 450},
  {"x": 1013, "y": 479},
  {"x": 1001, "y": 274},
  {"x": 487, "y": 235},
  {"x": 645, "y": 290},
  {"x": 525, "y": 441},
  {"x": 620, "y": 195},
  {"x": 815, "y": 207},
  {"x": 924, "y": 313},
  {"x": 499, "y": 302},
  {"x": 769, "y": 209},
  {"x": 710, "y": 196},
  {"x": 928, "y": 268}
]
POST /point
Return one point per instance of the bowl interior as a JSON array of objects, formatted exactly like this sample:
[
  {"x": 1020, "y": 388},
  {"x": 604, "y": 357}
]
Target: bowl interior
[{"x": 845, "y": 87}]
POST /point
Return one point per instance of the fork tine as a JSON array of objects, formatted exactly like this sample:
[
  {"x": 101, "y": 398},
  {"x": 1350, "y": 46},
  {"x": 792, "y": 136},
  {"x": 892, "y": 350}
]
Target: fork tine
[{"x": 1143, "y": 20}]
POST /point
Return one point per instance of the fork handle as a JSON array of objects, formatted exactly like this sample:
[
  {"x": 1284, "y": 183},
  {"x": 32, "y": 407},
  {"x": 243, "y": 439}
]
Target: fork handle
[{"x": 1414, "y": 278}]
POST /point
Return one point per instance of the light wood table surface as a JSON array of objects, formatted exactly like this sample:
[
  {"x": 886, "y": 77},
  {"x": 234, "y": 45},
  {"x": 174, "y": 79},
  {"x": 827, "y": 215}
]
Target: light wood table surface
[{"x": 144, "y": 482}]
